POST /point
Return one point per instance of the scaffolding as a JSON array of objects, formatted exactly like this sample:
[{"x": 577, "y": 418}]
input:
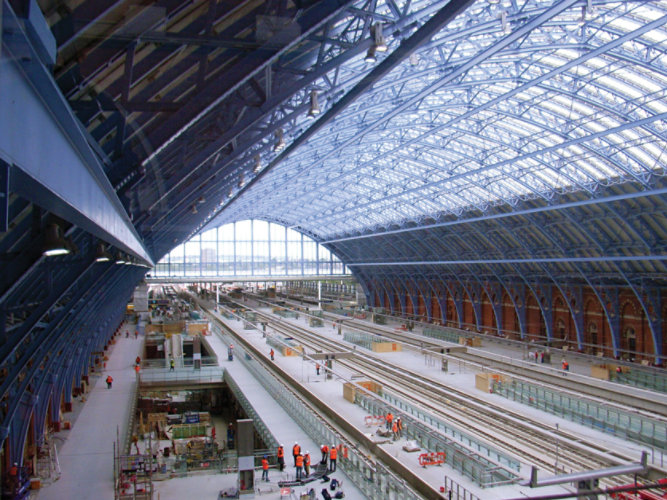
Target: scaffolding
[{"x": 133, "y": 476}]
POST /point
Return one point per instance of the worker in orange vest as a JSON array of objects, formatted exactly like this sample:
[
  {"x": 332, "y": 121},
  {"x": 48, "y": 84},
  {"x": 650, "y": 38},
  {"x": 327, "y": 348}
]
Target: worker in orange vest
[
  {"x": 281, "y": 457},
  {"x": 272, "y": 354},
  {"x": 14, "y": 476},
  {"x": 298, "y": 462},
  {"x": 394, "y": 429},
  {"x": 109, "y": 381},
  {"x": 296, "y": 451},
  {"x": 265, "y": 469},
  {"x": 306, "y": 463},
  {"x": 399, "y": 424},
  {"x": 317, "y": 368},
  {"x": 333, "y": 455},
  {"x": 389, "y": 419},
  {"x": 325, "y": 453}
]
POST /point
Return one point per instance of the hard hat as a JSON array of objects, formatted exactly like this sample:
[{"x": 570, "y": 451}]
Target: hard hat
[
  {"x": 307, "y": 453},
  {"x": 280, "y": 445},
  {"x": 264, "y": 456},
  {"x": 15, "y": 464}
]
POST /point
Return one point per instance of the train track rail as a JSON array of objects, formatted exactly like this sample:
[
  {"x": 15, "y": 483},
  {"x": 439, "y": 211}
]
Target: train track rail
[
  {"x": 638, "y": 400},
  {"x": 531, "y": 441}
]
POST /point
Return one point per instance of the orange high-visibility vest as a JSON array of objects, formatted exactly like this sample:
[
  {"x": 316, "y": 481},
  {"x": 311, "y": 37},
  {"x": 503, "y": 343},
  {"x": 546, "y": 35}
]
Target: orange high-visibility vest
[
  {"x": 390, "y": 417},
  {"x": 307, "y": 459},
  {"x": 333, "y": 454},
  {"x": 281, "y": 452},
  {"x": 299, "y": 461},
  {"x": 325, "y": 449},
  {"x": 265, "y": 464},
  {"x": 296, "y": 450},
  {"x": 394, "y": 427}
]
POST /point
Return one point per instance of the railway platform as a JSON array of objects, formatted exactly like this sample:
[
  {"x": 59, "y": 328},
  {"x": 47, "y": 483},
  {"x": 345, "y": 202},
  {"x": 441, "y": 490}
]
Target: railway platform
[{"x": 458, "y": 375}]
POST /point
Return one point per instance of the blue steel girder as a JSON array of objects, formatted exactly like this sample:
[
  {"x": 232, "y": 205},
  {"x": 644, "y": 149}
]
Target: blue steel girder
[
  {"x": 17, "y": 428},
  {"x": 494, "y": 292},
  {"x": 575, "y": 295},
  {"x": 103, "y": 304},
  {"x": 46, "y": 158},
  {"x": 638, "y": 34},
  {"x": 407, "y": 47},
  {"x": 57, "y": 373},
  {"x": 544, "y": 298},
  {"x": 22, "y": 372},
  {"x": 650, "y": 299},
  {"x": 20, "y": 339},
  {"x": 47, "y": 353},
  {"x": 42, "y": 407},
  {"x": 220, "y": 87}
]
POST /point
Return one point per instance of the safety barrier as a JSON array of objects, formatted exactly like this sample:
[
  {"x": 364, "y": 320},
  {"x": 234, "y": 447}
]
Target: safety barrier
[
  {"x": 435, "y": 458},
  {"x": 590, "y": 413},
  {"x": 484, "y": 465},
  {"x": 375, "y": 481}
]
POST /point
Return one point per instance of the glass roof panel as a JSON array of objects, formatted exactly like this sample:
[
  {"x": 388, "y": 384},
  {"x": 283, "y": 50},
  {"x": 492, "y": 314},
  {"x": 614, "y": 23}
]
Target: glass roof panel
[{"x": 469, "y": 121}]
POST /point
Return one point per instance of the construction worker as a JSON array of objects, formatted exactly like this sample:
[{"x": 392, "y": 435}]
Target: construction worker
[
  {"x": 394, "y": 430},
  {"x": 399, "y": 423},
  {"x": 389, "y": 419},
  {"x": 281, "y": 457},
  {"x": 298, "y": 463},
  {"x": 325, "y": 453},
  {"x": 296, "y": 451},
  {"x": 317, "y": 368},
  {"x": 14, "y": 476},
  {"x": 265, "y": 469},
  {"x": 272, "y": 354},
  {"x": 109, "y": 381},
  {"x": 306, "y": 463},
  {"x": 137, "y": 361},
  {"x": 333, "y": 454},
  {"x": 171, "y": 364}
]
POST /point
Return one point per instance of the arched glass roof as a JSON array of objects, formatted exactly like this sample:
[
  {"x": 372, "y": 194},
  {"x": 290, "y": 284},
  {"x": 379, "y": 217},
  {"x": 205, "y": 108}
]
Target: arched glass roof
[{"x": 512, "y": 101}]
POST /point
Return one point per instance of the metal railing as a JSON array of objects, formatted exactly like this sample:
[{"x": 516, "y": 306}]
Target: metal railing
[
  {"x": 459, "y": 456},
  {"x": 373, "y": 479},
  {"x": 205, "y": 375},
  {"x": 629, "y": 425}
]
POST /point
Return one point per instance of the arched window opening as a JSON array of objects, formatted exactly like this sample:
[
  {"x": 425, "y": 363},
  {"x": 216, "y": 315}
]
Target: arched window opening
[{"x": 250, "y": 248}]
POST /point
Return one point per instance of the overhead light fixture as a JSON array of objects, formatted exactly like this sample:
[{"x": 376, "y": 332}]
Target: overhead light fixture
[
  {"x": 54, "y": 243},
  {"x": 587, "y": 12},
  {"x": 241, "y": 180},
  {"x": 280, "y": 141},
  {"x": 194, "y": 209},
  {"x": 201, "y": 200},
  {"x": 378, "y": 37},
  {"x": 504, "y": 23},
  {"x": 314, "y": 105},
  {"x": 258, "y": 165},
  {"x": 101, "y": 255},
  {"x": 414, "y": 59},
  {"x": 494, "y": 2},
  {"x": 119, "y": 258},
  {"x": 230, "y": 194},
  {"x": 370, "y": 55}
]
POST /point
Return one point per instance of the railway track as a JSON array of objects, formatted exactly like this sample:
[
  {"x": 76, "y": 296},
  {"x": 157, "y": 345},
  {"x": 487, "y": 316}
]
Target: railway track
[
  {"x": 638, "y": 400},
  {"x": 532, "y": 442}
]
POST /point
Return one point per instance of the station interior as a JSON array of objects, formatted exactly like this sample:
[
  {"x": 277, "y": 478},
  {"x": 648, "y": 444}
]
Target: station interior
[{"x": 315, "y": 249}]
